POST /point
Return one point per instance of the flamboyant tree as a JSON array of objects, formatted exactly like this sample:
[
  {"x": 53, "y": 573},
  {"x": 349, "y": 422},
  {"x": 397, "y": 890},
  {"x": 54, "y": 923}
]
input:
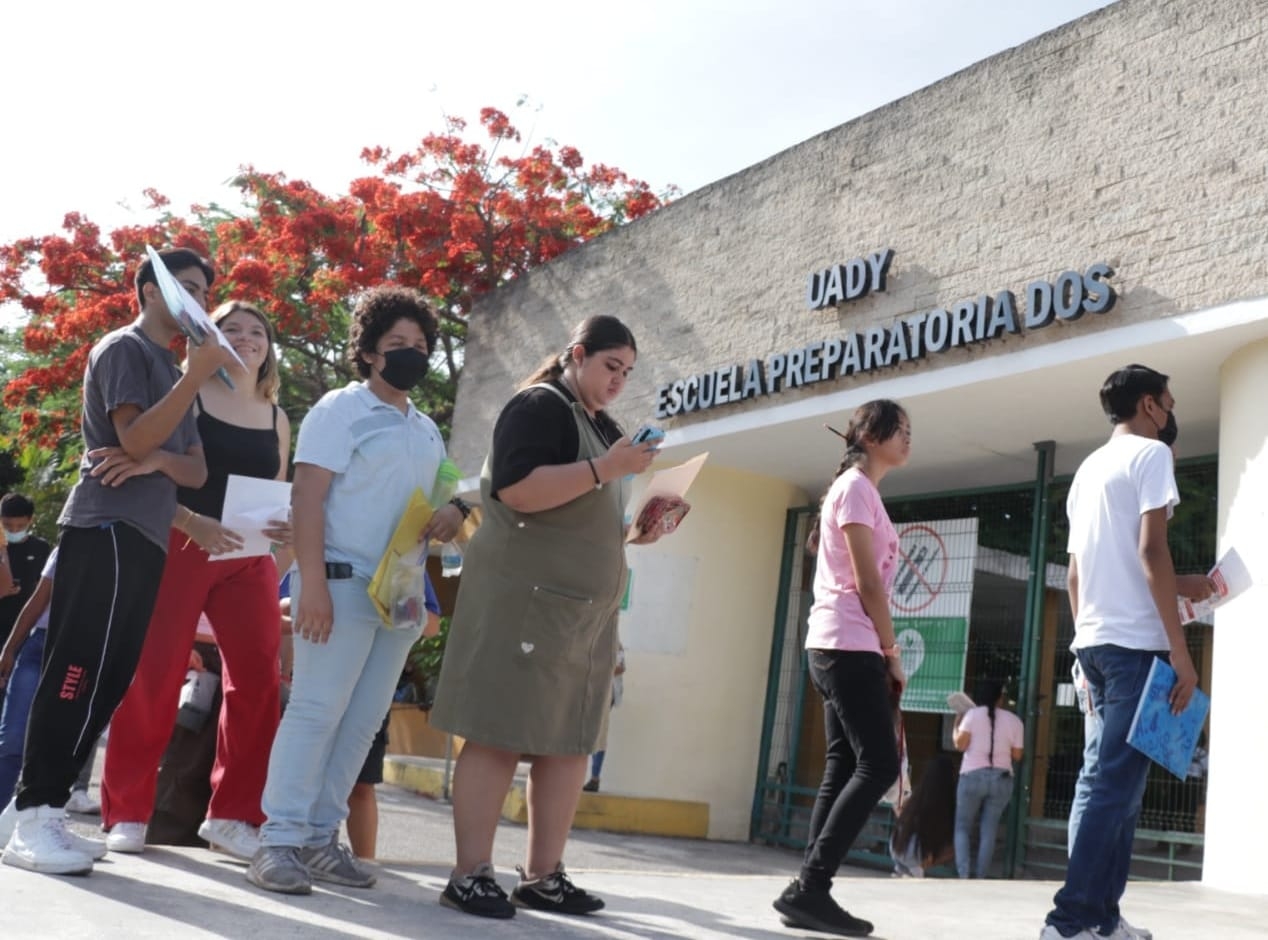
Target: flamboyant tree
[{"x": 453, "y": 217}]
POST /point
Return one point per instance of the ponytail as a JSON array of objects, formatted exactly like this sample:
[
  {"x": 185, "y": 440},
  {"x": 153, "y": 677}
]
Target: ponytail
[
  {"x": 593, "y": 334},
  {"x": 552, "y": 368},
  {"x": 875, "y": 421}
]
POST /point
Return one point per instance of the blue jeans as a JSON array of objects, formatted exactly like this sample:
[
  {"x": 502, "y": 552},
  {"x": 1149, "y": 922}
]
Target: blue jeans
[
  {"x": 17, "y": 707},
  {"x": 985, "y": 793},
  {"x": 340, "y": 692},
  {"x": 1113, "y": 784}
]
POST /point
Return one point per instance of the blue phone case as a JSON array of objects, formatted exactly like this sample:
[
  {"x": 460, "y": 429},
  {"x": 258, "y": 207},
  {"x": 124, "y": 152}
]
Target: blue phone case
[{"x": 647, "y": 433}]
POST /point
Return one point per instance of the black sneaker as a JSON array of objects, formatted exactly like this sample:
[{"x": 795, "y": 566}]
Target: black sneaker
[
  {"x": 554, "y": 893},
  {"x": 815, "y": 910},
  {"x": 479, "y": 894}
]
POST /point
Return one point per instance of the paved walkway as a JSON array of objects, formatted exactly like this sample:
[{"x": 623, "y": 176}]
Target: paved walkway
[{"x": 655, "y": 888}]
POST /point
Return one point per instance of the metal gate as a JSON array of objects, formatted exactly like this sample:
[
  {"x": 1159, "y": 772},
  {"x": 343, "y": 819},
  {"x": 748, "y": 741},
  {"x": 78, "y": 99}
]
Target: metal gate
[{"x": 1019, "y": 631}]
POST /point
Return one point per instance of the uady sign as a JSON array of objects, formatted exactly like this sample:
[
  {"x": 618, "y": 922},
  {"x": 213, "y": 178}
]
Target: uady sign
[{"x": 914, "y": 336}]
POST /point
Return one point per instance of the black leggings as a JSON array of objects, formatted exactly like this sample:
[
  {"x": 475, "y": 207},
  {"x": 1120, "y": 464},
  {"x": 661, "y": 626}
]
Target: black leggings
[{"x": 862, "y": 756}]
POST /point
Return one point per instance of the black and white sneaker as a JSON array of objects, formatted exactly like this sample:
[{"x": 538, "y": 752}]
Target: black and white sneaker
[
  {"x": 554, "y": 893},
  {"x": 477, "y": 893},
  {"x": 816, "y": 910}
]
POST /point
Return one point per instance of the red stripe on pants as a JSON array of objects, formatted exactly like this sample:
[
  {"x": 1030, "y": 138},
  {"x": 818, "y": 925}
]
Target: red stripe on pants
[{"x": 240, "y": 598}]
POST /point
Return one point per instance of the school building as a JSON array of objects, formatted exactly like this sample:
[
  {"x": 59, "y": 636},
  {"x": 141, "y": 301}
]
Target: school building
[{"x": 985, "y": 251}]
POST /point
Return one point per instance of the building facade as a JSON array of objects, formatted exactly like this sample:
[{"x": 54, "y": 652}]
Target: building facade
[{"x": 985, "y": 250}]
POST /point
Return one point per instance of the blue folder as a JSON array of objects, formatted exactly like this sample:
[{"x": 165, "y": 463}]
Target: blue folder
[{"x": 1161, "y": 736}]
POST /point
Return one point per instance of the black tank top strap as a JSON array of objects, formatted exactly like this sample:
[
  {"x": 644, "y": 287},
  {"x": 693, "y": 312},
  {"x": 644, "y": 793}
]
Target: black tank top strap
[{"x": 274, "y": 417}]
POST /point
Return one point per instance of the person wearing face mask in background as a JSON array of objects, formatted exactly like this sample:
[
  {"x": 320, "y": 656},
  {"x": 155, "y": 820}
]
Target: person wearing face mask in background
[
  {"x": 362, "y": 452},
  {"x": 21, "y": 562}
]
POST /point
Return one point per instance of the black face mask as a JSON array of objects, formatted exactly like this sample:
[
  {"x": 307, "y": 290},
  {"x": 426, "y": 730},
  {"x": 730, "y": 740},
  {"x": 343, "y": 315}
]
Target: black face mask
[
  {"x": 404, "y": 368},
  {"x": 1169, "y": 432}
]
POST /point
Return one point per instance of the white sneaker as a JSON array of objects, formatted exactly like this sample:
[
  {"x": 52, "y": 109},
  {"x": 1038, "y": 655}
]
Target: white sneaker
[
  {"x": 41, "y": 842},
  {"x": 231, "y": 836},
  {"x": 81, "y": 802},
  {"x": 93, "y": 848},
  {"x": 1136, "y": 933},
  {"x": 1125, "y": 931},
  {"x": 1050, "y": 932},
  {"x": 8, "y": 819},
  {"x": 127, "y": 837}
]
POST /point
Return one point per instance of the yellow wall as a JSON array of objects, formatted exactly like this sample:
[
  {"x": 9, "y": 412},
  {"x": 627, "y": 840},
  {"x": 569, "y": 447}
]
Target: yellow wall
[{"x": 690, "y": 724}]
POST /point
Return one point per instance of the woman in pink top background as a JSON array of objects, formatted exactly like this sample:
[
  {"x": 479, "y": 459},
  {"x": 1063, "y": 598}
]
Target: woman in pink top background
[
  {"x": 991, "y": 739},
  {"x": 853, "y": 661}
]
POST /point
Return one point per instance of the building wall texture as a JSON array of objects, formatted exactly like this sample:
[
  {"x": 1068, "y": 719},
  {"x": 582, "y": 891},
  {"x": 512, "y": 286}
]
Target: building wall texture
[{"x": 1135, "y": 136}]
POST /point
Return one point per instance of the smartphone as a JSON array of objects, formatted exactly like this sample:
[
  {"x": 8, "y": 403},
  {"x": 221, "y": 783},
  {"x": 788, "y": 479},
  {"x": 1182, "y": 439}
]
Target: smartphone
[{"x": 647, "y": 434}]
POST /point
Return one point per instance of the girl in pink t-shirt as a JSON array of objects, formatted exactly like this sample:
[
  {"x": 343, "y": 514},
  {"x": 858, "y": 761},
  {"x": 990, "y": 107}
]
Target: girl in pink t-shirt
[
  {"x": 853, "y": 661},
  {"x": 991, "y": 739}
]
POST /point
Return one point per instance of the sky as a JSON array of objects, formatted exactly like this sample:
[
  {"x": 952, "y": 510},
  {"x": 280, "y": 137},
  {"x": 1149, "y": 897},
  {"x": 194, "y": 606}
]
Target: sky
[{"x": 108, "y": 99}]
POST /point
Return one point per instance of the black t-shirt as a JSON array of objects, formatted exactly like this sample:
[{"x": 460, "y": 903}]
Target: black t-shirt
[
  {"x": 537, "y": 429},
  {"x": 26, "y": 561}
]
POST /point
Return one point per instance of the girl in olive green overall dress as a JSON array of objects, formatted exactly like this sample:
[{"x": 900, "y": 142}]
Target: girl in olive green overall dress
[{"x": 528, "y": 665}]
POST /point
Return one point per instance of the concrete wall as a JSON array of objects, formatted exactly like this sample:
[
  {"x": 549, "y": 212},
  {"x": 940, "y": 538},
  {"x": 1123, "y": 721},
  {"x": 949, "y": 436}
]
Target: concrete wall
[
  {"x": 1136, "y": 135},
  {"x": 1236, "y": 822},
  {"x": 697, "y": 640}
]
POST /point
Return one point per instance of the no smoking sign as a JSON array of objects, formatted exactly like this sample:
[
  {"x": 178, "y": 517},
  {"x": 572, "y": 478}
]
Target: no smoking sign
[{"x": 922, "y": 569}]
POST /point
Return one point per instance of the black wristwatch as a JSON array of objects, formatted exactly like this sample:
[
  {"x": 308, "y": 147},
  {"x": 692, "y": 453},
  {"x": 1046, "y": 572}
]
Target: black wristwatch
[{"x": 463, "y": 506}]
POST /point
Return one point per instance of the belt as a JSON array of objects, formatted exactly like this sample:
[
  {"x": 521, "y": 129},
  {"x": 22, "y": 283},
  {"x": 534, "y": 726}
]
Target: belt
[{"x": 338, "y": 571}]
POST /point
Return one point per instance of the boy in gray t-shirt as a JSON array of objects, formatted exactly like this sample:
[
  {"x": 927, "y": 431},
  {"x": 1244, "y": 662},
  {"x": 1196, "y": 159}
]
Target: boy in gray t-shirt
[{"x": 140, "y": 443}]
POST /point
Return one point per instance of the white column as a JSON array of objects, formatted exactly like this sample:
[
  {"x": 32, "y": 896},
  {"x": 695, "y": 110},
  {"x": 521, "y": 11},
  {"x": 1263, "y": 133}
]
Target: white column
[{"x": 1236, "y": 811}]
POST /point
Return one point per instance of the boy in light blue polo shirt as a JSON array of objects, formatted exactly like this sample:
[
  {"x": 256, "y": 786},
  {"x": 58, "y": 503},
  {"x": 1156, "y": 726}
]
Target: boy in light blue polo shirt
[{"x": 362, "y": 451}]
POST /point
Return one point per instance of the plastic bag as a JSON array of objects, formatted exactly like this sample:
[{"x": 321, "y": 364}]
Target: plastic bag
[{"x": 407, "y": 581}]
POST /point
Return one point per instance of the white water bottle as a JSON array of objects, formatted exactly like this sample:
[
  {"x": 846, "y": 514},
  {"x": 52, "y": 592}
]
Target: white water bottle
[{"x": 450, "y": 560}]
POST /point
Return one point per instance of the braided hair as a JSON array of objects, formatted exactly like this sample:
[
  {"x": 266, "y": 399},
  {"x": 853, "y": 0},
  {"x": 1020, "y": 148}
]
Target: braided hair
[{"x": 987, "y": 693}]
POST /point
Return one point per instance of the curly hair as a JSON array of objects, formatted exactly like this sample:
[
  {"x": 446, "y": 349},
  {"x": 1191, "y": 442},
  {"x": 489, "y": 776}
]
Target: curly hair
[{"x": 377, "y": 311}]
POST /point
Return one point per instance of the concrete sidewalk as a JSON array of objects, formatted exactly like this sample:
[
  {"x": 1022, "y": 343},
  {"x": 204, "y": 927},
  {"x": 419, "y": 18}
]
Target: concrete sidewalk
[
  {"x": 189, "y": 893},
  {"x": 655, "y": 888}
]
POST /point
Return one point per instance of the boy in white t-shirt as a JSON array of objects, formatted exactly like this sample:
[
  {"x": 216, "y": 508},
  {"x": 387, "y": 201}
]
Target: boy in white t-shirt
[{"x": 1123, "y": 589}]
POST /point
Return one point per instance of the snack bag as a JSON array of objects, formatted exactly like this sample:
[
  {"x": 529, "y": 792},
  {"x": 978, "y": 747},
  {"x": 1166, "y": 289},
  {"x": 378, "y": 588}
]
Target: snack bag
[{"x": 660, "y": 516}]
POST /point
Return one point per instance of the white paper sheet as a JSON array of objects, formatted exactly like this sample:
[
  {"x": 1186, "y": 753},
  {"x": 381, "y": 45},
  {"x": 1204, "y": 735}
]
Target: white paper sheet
[
  {"x": 1231, "y": 578},
  {"x": 249, "y": 505},
  {"x": 672, "y": 481}
]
